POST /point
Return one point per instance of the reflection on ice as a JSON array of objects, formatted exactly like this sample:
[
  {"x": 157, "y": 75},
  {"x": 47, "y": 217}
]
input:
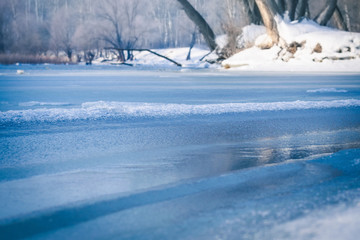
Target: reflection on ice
[{"x": 269, "y": 196}]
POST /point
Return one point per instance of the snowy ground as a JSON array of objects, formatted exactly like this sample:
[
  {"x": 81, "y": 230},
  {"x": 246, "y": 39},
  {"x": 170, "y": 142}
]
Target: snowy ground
[
  {"x": 340, "y": 51},
  {"x": 256, "y": 59},
  {"x": 252, "y": 59}
]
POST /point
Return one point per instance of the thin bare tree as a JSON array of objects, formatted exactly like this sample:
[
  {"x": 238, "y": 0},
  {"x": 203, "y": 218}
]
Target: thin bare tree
[
  {"x": 339, "y": 20},
  {"x": 200, "y": 22},
  {"x": 326, "y": 13},
  {"x": 303, "y": 6}
]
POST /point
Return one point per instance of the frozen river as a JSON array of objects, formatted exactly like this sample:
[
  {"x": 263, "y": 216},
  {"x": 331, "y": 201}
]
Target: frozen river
[{"x": 112, "y": 153}]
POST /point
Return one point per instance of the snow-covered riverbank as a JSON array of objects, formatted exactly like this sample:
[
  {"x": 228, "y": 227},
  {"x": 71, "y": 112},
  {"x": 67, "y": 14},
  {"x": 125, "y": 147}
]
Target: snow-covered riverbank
[
  {"x": 304, "y": 47},
  {"x": 253, "y": 59}
]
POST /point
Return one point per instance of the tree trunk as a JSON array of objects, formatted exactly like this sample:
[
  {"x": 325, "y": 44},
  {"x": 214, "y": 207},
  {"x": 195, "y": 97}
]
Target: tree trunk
[
  {"x": 200, "y": 22},
  {"x": 302, "y": 6},
  {"x": 324, "y": 16},
  {"x": 268, "y": 10},
  {"x": 69, "y": 53},
  {"x": 2, "y": 35},
  {"x": 347, "y": 17},
  {"x": 130, "y": 55},
  {"x": 281, "y": 5},
  {"x": 252, "y": 12},
  {"x": 257, "y": 14},
  {"x": 291, "y": 7},
  {"x": 121, "y": 55},
  {"x": 89, "y": 57},
  {"x": 339, "y": 20},
  {"x": 192, "y": 43}
]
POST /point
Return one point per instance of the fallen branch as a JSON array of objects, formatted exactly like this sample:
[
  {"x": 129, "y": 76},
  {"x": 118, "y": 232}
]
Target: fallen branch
[
  {"x": 126, "y": 64},
  {"x": 334, "y": 58},
  {"x": 150, "y": 51},
  {"x": 205, "y": 56}
]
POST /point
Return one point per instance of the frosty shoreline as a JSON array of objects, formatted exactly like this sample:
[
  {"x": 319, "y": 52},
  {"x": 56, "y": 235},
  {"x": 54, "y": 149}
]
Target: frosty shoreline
[
  {"x": 250, "y": 60},
  {"x": 305, "y": 46}
]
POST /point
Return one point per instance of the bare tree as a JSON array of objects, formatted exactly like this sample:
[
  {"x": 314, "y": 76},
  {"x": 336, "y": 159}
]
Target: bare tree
[
  {"x": 164, "y": 13},
  {"x": 200, "y": 22},
  {"x": 62, "y": 29},
  {"x": 123, "y": 25},
  {"x": 110, "y": 12},
  {"x": 3, "y": 26},
  {"x": 192, "y": 43},
  {"x": 339, "y": 20},
  {"x": 281, "y": 5},
  {"x": 303, "y": 6},
  {"x": 251, "y": 11},
  {"x": 268, "y": 10},
  {"x": 291, "y": 8},
  {"x": 325, "y": 14}
]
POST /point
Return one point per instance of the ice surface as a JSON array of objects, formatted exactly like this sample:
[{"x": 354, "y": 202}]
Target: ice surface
[
  {"x": 35, "y": 103},
  {"x": 251, "y": 204},
  {"x": 104, "y": 152}
]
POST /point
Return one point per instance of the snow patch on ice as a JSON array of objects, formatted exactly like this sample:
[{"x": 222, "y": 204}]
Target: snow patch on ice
[
  {"x": 36, "y": 103},
  {"x": 356, "y": 161},
  {"x": 327, "y": 90},
  {"x": 103, "y": 109},
  {"x": 339, "y": 223}
]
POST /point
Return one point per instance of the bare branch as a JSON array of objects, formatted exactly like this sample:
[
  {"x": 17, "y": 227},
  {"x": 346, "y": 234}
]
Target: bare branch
[{"x": 150, "y": 51}]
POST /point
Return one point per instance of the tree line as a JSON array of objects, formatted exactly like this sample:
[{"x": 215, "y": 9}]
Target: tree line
[{"x": 83, "y": 28}]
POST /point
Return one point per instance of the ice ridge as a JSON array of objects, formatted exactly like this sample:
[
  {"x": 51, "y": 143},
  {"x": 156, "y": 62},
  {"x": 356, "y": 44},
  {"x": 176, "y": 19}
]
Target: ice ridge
[{"x": 104, "y": 109}]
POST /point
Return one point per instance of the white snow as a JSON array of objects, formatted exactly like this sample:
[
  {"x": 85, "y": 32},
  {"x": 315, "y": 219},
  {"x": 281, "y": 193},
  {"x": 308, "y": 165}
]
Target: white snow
[
  {"x": 338, "y": 223},
  {"x": 221, "y": 40},
  {"x": 326, "y": 90},
  {"x": 290, "y": 30},
  {"x": 249, "y": 35},
  {"x": 106, "y": 109},
  {"x": 335, "y": 44}
]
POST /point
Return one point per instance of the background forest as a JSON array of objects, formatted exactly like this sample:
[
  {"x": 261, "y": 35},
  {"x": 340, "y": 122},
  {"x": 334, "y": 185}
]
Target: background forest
[{"x": 71, "y": 27}]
